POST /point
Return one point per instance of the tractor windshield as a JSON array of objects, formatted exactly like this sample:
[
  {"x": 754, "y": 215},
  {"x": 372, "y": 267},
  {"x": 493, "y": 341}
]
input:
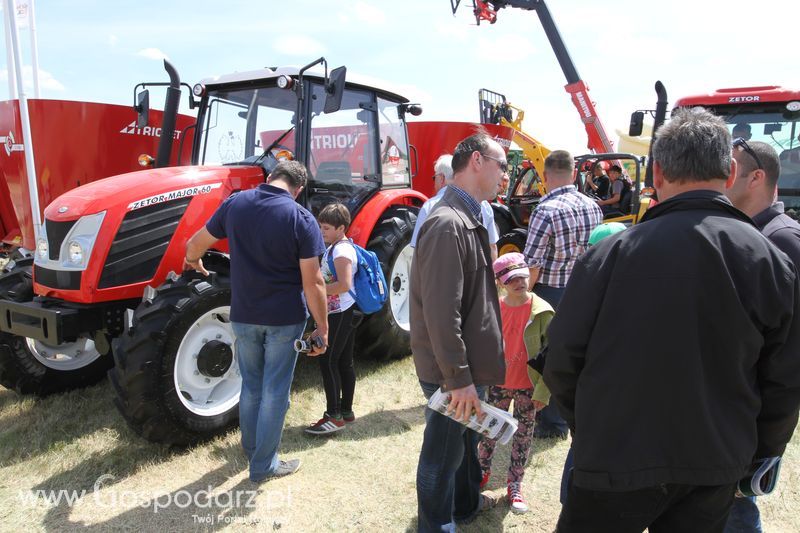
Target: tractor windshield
[
  {"x": 780, "y": 129},
  {"x": 240, "y": 124}
]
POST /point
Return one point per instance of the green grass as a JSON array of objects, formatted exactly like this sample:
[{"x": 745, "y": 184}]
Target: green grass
[{"x": 361, "y": 479}]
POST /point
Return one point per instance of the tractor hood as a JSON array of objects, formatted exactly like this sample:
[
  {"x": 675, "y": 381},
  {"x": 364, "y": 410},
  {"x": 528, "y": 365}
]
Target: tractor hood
[{"x": 148, "y": 187}]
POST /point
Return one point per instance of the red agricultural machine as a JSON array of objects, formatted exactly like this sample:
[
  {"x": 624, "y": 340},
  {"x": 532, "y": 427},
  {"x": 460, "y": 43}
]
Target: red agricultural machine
[
  {"x": 769, "y": 114},
  {"x": 107, "y": 289}
]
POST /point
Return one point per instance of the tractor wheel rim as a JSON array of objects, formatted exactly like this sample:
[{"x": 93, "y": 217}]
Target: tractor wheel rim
[
  {"x": 399, "y": 294},
  {"x": 64, "y": 357},
  {"x": 508, "y": 248},
  {"x": 203, "y": 394}
]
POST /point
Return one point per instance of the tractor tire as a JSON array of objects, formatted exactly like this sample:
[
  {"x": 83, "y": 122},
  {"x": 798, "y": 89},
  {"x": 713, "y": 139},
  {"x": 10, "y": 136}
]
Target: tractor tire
[
  {"x": 178, "y": 330},
  {"x": 31, "y": 367},
  {"x": 513, "y": 241},
  {"x": 386, "y": 334}
]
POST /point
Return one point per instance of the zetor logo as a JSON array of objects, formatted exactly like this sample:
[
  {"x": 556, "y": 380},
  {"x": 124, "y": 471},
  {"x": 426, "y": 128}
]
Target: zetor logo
[
  {"x": 148, "y": 131},
  {"x": 740, "y": 99},
  {"x": 173, "y": 195}
]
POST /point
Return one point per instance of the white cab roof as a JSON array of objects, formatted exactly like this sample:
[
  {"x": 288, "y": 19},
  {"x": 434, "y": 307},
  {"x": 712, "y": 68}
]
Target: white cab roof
[{"x": 382, "y": 88}]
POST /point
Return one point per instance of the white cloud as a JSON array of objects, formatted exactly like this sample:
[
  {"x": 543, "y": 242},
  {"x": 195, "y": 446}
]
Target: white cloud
[
  {"x": 46, "y": 80},
  {"x": 369, "y": 14},
  {"x": 113, "y": 40},
  {"x": 505, "y": 48},
  {"x": 152, "y": 53},
  {"x": 298, "y": 45}
]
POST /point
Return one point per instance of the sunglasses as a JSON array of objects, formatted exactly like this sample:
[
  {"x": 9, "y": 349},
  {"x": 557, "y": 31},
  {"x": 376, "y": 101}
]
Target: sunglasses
[
  {"x": 742, "y": 145},
  {"x": 501, "y": 162}
]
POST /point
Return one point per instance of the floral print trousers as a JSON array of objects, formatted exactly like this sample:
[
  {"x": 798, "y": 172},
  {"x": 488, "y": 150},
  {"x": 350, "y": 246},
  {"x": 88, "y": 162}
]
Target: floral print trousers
[{"x": 525, "y": 413}]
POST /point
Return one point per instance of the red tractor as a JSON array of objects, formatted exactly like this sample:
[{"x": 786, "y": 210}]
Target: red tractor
[
  {"x": 107, "y": 280},
  {"x": 769, "y": 114}
]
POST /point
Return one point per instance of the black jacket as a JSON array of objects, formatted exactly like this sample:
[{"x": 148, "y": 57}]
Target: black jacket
[{"x": 675, "y": 352}]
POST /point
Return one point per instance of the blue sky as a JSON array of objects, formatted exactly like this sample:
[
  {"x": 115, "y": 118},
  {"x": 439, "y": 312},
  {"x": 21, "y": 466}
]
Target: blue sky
[{"x": 98, "y": 50}]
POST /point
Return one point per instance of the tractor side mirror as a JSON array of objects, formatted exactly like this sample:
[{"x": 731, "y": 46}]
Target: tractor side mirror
[
  {"x": 637, "y": 124},
  {"x": 334, "y": 89},
  {"x": 143, "y": 109},
  {"x": 769, "y": 129}
]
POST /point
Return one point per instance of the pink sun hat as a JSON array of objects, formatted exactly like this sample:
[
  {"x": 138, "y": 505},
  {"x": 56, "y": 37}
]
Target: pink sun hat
[{"x": 510, "y": 266}]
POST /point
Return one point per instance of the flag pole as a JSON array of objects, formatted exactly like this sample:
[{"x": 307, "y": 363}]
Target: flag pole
[
  {"x": 7, "y": 17},
  {"x": 34, "y": 48},
  {"x": 27, "y": 141}
]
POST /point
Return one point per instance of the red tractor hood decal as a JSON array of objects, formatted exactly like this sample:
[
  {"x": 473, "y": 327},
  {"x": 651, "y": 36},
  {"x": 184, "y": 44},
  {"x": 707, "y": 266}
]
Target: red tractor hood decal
[{"x": 147, "y": 187}]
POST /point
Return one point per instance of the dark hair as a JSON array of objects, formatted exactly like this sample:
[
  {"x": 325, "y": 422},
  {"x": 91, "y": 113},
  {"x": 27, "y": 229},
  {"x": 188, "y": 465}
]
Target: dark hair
[
  {"x": 615, "y": 168},
  {"x": 336, "y": 215},
  {"x": 559, "y": 161},
  {"x": 693, "y": 146},
  {"x": 769, "y": 160},
  {"x": 294, "y": 173},
  {"x": 478, "y": 142}
]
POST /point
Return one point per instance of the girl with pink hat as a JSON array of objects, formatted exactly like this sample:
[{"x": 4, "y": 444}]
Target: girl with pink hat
[{"x": 525, "y": 318}]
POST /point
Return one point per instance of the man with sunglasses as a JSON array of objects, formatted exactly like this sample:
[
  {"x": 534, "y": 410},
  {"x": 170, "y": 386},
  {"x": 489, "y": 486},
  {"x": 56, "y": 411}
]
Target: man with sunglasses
[
  {"x": 456, "y": 334},
  {"x": 442, "y": 177},
  {"x": 757, "y": 172},
  {"x": 671, "y": 399}
]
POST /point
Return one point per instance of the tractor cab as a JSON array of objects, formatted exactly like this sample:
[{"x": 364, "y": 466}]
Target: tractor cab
[
  {"x": 351, "y": 136},
  {"x": 635, "y": 200}
]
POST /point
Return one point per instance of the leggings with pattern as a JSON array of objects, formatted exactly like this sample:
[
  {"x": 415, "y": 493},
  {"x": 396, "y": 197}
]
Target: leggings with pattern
[{"x": 524, "y": 412}]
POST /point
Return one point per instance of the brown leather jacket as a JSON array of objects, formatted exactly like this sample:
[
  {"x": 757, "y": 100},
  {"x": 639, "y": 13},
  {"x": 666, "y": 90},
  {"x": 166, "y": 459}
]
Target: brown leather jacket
[{"x": 456, "y": 334}]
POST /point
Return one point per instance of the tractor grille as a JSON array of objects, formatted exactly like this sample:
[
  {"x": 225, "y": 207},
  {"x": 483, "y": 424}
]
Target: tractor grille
[
  {"x": 57, "y": 279},
  {"x": 56, "y": 233},
  {"x": 140, "y": 243}
]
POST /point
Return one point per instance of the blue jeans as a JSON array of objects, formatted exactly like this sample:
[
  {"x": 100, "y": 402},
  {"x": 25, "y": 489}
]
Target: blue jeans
[
  {"x": 744, "y": 517},
  {"x": 266, "y": 359},
  {"x": 448, "y": 473}
]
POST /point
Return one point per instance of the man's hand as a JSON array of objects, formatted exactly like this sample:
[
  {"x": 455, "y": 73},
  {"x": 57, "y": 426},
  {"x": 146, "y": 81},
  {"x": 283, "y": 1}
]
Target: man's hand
[
  {"x": 319, "y": 333},
  {"x": 463, "y": 402},
  {"x": 195, "y": 265}
]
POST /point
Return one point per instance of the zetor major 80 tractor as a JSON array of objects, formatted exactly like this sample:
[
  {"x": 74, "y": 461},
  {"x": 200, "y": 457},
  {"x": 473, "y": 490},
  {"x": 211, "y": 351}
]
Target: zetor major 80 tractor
[{"x": 107, "y": 273}]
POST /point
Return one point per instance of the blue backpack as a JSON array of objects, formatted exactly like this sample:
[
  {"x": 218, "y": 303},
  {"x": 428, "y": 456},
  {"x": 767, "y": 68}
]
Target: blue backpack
[{"x": 369, "y": 282}]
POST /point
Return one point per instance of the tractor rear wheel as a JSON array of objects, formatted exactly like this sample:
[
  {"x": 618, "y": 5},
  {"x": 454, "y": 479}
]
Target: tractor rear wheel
[
  {"x": 176, "y": 379},
  {"x": 386, "y": 334},
  {"x": 28, "y": 366},
  {"x": 513, "y": 241}
]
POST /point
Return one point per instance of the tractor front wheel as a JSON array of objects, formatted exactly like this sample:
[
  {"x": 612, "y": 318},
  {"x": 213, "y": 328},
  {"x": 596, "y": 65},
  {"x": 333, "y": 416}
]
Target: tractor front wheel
[
  {"x": 386, "y": 334},
  {"x": 176, "y": 378},
  {"x": 28, "y": 366}
]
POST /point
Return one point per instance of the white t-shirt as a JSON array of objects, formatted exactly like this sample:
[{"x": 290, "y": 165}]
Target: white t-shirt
[{"x": 339, "y": 302}]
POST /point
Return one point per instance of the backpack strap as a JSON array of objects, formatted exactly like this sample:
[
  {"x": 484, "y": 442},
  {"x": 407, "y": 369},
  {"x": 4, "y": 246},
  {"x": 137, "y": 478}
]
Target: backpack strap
[{"x": 332, "y": 267}]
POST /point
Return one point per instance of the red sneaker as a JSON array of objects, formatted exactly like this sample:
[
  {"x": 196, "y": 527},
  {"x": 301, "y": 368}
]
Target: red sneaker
[
  {"x": 485, "y": 478},
  {"x": 348, "y": 416},
  {"x": 325, "y": 425},
  {"x": 516, "y": 500}
]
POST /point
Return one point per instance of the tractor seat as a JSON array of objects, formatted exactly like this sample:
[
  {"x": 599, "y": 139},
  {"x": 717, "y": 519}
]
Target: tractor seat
[{"x": 334, "y": 172}]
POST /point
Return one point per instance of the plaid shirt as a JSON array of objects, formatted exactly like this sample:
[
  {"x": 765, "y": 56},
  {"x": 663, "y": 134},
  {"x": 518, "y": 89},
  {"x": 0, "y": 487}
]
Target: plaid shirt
[{"x": 558, "y": 233}]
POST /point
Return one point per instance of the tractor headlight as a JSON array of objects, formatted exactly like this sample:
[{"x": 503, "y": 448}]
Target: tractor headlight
[
  {"x": 75, "y": 252},
  {"x": 79, "y": 242},
  {"x": 41, "y": 248}
]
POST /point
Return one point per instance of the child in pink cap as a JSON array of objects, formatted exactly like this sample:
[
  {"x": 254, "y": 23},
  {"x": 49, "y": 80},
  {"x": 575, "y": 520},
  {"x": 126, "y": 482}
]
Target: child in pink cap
[{"x": 525, "y": 319}]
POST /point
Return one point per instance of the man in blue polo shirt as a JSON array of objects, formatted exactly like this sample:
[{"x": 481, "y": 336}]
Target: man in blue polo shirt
[{"x": 275, "y": 246}]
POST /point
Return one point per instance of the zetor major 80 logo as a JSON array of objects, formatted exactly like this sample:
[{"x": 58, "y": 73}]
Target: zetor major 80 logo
[{"x": 147, "y": 131}]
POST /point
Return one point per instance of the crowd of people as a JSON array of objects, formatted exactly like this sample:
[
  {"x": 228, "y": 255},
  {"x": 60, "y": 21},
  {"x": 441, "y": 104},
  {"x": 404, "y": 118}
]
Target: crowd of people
[{"x": 667, "y": 350}]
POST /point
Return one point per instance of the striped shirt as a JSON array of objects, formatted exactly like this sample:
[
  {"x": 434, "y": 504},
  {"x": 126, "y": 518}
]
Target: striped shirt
[
  {"x": 558, "y": 233},
  {"x": 472, "y": 204}
]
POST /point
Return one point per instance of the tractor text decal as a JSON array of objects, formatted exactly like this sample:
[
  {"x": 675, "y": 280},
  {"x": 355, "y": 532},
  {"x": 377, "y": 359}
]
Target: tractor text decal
[
  {"x": 148, "y": 131},
  {"x": 174, "y": 195}
]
